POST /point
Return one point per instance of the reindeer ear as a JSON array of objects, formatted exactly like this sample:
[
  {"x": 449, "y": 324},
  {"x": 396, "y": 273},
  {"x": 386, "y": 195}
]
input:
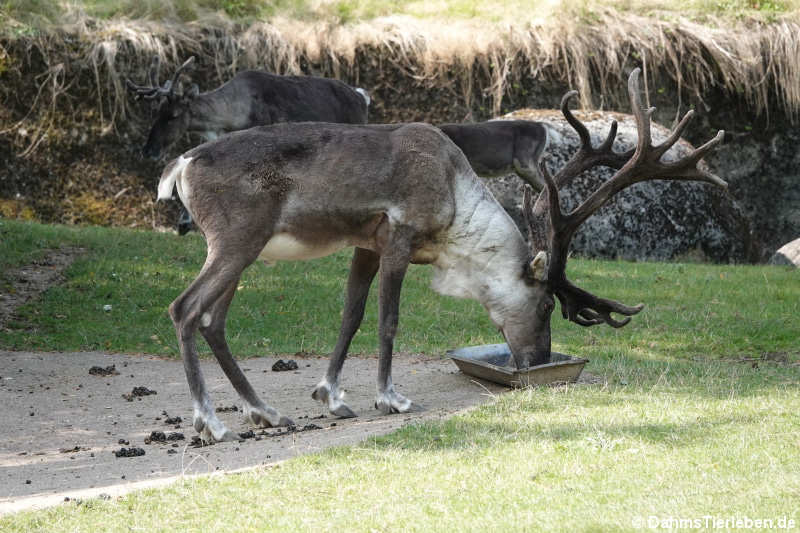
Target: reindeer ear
[{"x": 538, "y": 266}]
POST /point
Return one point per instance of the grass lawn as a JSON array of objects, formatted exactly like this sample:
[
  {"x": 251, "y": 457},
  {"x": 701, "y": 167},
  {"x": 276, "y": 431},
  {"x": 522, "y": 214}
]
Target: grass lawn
[{"x": 698, "y": 417}]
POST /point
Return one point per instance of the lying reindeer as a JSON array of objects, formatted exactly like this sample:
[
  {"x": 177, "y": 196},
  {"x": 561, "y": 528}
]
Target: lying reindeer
[
  {"x": 399, "y": 194},
  {"x": 250, "y": 98},
  {"x": 500, "y": 147}
]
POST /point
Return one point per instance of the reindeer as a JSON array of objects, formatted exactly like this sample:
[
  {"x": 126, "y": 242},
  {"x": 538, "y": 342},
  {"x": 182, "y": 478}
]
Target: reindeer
[
  {"x": 500, "y": 147},
  {"x": 399, "y": 194},
  {"x": 250, "y": 98}
]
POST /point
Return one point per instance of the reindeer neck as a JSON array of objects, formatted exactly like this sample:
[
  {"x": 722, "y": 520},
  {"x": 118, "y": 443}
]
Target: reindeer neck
[
  {"x": 212, "y": 112},
  {"x": 485, "y": 252}
]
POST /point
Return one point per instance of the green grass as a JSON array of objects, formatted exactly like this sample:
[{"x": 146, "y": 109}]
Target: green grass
[
  {"x": 688, "y": 425},
  {"x": 692, "y": 310}
]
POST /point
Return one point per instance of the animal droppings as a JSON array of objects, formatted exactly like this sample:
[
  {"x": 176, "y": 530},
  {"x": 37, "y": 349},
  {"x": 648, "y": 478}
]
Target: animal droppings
[
  {"x": 103, "y": 371},
  {"x": 129, "y": 452},
  {"x": 282, "y": 366},
  {"x": 138, "y": 392},
  {"x": 160, "y": 436}
]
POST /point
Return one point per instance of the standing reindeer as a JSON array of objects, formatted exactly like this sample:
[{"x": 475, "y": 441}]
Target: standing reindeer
[
  {"x": 399, "y": 194},
  {"x": 250, "y": 98}
]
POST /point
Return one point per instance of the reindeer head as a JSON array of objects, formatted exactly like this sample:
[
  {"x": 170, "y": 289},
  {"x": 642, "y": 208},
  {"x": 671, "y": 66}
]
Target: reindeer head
[
  {"x": 551, "y": 230},
  {"x": 172, "y": 118}
]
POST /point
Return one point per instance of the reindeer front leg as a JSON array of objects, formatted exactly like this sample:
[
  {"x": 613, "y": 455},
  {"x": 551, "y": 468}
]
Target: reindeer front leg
[
  {"x": 393, "y": 265},
  {"x": 362, "y": 271}
]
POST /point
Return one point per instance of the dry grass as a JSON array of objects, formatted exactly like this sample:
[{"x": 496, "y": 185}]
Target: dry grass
[
  {"x": 590, "y": 48},
  {"x": 751, "y": 62}
]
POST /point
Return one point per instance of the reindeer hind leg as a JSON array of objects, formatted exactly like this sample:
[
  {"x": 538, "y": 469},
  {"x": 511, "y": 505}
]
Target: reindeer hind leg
[
  {"x": 193, "y": 309},
  {"x": 213, "y": 330}
]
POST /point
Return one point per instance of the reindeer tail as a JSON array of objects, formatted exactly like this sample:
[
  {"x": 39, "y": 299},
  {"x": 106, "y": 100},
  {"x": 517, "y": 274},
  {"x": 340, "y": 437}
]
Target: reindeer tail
[{"x": 171, "y": 172}]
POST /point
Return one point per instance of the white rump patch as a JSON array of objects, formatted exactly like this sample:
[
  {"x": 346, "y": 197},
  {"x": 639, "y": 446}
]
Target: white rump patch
[
  {"x": 365, "y": 94},
  {"x": 167, "y": 182},
  {"x": 285, "y": 247},
  {"x": 205, "y": 320}
]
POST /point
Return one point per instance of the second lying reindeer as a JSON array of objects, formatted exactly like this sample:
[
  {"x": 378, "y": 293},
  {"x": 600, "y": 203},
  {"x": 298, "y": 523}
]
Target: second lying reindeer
[
  {"x": 500, "y": 147},
  {"x": 399, "y": 194}
]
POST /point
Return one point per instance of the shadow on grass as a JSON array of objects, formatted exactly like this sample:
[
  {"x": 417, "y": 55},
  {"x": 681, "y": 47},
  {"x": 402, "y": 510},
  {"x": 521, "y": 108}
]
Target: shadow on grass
[
  {"x": 470, "y": 433},
  {"x": 602, "y": 415}
]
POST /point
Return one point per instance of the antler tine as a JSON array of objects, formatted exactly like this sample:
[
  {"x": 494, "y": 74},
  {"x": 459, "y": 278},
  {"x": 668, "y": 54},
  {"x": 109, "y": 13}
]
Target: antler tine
[
  {"x": 558, "y": 239},
  {"x": 588, "y": 156},
  {"x": 695, "y": 156},
  {"x": 154, "y": 90},
  {"x": 140, "y": 91},
  {"x": 154, "y": 71},
  {"x": 586, "y": 309},
  {"x": 700, "y": 174},
  {"x": 174, "y": 82},
  {"x": 577, "y": 125},
  {"x": 640, "y": 114},
  {"x": 527, "y": 209},
  {"x": 553, "y": 199},
  {"x": 609, "y": 142},
  {"x": 662, "y": 148}
]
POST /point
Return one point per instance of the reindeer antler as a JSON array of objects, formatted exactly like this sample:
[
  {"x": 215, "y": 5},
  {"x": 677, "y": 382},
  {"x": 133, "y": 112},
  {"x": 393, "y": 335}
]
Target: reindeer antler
[
  {"x": 154, "y": 90},
  {"x": 641, "y": 164}
]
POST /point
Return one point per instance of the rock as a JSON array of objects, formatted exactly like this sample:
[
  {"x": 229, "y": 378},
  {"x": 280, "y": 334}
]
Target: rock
[
  {"x": 788, "y": 254},
  {"x": 764, "y": 176},
  {"x": 654, "y": 220}
]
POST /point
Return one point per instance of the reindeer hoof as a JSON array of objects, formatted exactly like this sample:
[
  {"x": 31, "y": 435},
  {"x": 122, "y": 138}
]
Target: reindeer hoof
[
  {"x": 322, "y": 392},
  {"x": 266, "y": 417},
  {"x": 343, "y": 411},
  {"x": 392, "y": 402},
  {"x": 330, "y": 394},
  {"x": 211, "y": 430}
]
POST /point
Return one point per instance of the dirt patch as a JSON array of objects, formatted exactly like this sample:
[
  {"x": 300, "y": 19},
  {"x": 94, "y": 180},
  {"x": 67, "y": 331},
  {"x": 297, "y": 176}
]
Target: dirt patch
[
  {"x": 105, "y": 434},
  {"x": 29, "y": 281}
]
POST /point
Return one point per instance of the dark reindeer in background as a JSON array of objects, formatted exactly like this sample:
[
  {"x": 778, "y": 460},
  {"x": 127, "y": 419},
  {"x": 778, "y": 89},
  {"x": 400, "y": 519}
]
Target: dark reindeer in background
[
  {"x": 500, "y": 147},
  {"x": 399, "y": 194},
  {"x": 250, "y": 98}
]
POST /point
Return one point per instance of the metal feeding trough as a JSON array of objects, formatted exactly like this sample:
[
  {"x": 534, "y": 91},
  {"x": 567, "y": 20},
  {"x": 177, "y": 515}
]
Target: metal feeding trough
[{"x": 493, "y": 362}]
